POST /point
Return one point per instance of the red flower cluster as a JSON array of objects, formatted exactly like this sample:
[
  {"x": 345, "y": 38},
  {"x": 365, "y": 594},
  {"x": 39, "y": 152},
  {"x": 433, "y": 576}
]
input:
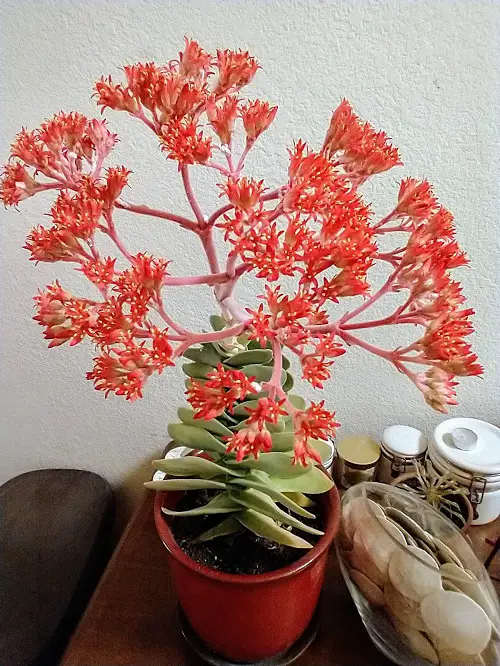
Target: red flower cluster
[
  {"x": 356, "y": 146},
  {"x": 315, "y": 422},
  {"x": 219, "y": 393},
  {"x": 313, "y": 235}
]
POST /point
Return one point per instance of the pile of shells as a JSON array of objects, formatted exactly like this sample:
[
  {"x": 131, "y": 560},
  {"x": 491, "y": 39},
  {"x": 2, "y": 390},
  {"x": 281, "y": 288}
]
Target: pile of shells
[{"x": 436, "y": 604}]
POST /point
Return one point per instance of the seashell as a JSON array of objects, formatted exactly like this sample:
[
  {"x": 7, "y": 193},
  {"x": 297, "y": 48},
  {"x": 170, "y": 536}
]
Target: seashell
[
  {"x": 448, "y": 585},
  {"x": 422, "y": 544},
  {"x": 403, "y": 609},
  {"x": 417, "y": 642},
  {"x": 445, "y": 553},
  {"x": 472, "y": 588},
  {"x": 414, "y": 573},
  {"x": 359, "y": 558},
  {"x": 409, "y": 539},
  {"x": 410, "y": 525},
  {"x": 450, "y": 657},
  {"x": 370, "y": 591},
  {"x": 455, "y": 619}
]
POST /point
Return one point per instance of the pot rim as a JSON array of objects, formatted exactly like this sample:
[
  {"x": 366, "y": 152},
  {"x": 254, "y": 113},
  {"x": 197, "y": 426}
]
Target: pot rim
[{"x": 332, "y": 501}]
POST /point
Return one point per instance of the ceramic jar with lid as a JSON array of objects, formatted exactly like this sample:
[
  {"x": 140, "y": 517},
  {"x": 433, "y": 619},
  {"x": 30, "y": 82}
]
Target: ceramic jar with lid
[
  {"x": 356, "y": 460},
  {"x": 401, "y": 446},
  {"x": 469, "y": 449}
]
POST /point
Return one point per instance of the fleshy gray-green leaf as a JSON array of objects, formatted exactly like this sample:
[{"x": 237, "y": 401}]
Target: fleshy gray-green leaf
[
  {"x": 297, "y": 401},
  {"x": 193, "y": 466},
  {"x": 274, "y": 463},
  {"x": 213, "y": 425},
  {"x": 266, "y": 487},
  {"x": 185, "y": 484},
  {"x": 266, "y": 527},
  {"x": 288, "y": 382},
  {"x": 195, "y": 438},
  {"x": 313, "y": 482},
  {"x": 219, "y": 504},
  {"x": 262, "y": 373},
  {"x": 197, "y": 370},
  {"x": 206, "y": 355},
  {"x": 262, "y": 503},
  {"x": 230, "y": 525},
  {"x": 217, "y": 322},
  {"x": 283, "y": 441},
  {"x": 250, "y": 357}
]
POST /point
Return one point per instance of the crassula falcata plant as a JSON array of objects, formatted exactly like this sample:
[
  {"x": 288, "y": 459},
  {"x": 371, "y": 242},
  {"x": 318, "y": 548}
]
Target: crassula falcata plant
[{"x": 262, "y": 444}]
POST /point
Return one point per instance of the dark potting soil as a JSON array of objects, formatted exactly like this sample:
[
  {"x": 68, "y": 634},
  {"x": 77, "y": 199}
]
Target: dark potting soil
[{"x": 241, "y": 553}]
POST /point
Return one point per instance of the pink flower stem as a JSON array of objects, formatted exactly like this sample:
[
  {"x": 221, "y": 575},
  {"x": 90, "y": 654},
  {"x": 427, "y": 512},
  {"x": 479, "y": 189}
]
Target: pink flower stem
[
  {"x": 142, "y": 116},
  {"x": 388, "y": 230},
  {"x": 274, "y": 194},
  {"x": 387, "y": 321},
  {"x": 385, "y": 219},
  {"x": 114, "y": 236},
  {"x": 195, "y": 338},
  {"x": 207, "y": 240},
  {"x": 235, "y": 309},
  {"x": 160, "y": 308},
  {"x": 243, "y": 156},
  {"x": 195, "y": 206},
  {"x": 218, "y": 167},
  {"x": 153, "y": 212},
  {"x": 274, "y": 384},
  {"x": 373, "y": 299}
]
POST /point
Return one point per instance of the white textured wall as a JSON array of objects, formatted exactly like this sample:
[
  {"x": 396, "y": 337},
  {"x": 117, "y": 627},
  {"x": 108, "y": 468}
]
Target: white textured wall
[{"x": 426, "y": 72}]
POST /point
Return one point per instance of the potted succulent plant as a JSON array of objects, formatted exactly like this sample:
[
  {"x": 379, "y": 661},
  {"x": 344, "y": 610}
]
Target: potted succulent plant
[{"x": 259, "y": 446}]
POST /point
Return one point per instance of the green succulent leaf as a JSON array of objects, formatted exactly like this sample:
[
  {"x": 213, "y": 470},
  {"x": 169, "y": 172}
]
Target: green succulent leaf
[
  {"x": 262, "y": 373},
  {"x": 219, "y": 504},
  {"x": 230, "y": 525},
  {"x": 300, "y": 499},
  {"x": 283, "y": 441},
  {"x": 241, "y": 409},
  {"x": 313, "y": 482},
  {"x": 195, "y": 438},
  {"x": 250, "y": 357},
  {"x": 276, "y": 427},
  {"x": 253, "y": 344},
  {"x": 297, "y": 401},
  {"x": 255, "y": 499},
  {"x": 217, "y": 322},
  {"x": 197, "y": 370},
  {"x": 185, "y": 484},
  {"x": 193, "y": 466},
  {"x": 274, "y": 463},
  {"x": 266, "y": 527},
  {"x": 213, "y": 425},
  {"x": 206, "y": 355},
  {"x": 266, "y": 487},
  {"x": 288, "y": 382},
  {"x": 285, "y": 363}
]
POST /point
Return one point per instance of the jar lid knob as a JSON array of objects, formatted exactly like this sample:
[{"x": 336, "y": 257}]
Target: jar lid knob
[{"x": 464, "y": 438}]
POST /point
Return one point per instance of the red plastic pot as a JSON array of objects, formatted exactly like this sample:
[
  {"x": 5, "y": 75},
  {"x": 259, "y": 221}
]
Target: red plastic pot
[{"x": 249, "y": 618}]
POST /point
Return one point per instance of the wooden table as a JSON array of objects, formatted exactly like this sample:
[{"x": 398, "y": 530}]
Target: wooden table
[{"x": 132, "y": 617}]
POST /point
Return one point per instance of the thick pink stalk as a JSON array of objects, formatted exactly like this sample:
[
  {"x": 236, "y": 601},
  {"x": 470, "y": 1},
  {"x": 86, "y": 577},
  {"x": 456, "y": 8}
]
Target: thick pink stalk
[
  {"x": 353, "y": 340},
  {"x": 274, "y": 384},
  {"x": 162, "y": 214},
  {"x": 385, "y": 219},
  {"x": 112, "y": 233},
  {"x": 195, "y": 206},
  {"x": 160, "y": 308},
  {"x": 386, "y": 287},
  {"x": 207, "y": 240}
]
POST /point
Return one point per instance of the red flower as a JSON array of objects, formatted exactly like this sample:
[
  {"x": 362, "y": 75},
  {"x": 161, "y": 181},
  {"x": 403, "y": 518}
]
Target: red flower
[
  {"x": 222, "y": 117},
  {"x": 122, "y": 371},
  {"x": 438, "y": 388},
  {"x": 315, "y": 422},
  {"x": 115, "y": 96},
  {"x": 315, "y": 370},
  {"x": 243, "y": 193},
  {"x": 365, "y": 151},
  {"x": 182, "y": 143},
  {"x": 249, "y": 441},
  {"x": 236, "y": 69},
  {"x": 111, "y": 324},
  {"x": 415, "y": 199},
  {"x": 220, "y": 392},
  {"x": 267, "y": 411},
  {"x": 54, "y": 244},
  {"x": 79, "y": 214},
  {"x": 161, "y": 353},
  {"x": 66, "y": 319},
  {"x": 17, "y": 184},
  {"x": 99, "y": 272},
  {"x": 116, "y": 180},
  {"x": 257, "y": 116},
  {"x": 194, "y": 62}
]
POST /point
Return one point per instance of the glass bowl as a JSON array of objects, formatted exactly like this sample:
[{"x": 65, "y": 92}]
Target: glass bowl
[{"x": 420, "y": 590}]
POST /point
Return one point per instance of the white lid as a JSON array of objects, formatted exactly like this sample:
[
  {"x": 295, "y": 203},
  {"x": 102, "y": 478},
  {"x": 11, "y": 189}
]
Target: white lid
[
  {"x": 483, "y": 458},
  {"x": 404, "y": 441}
]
